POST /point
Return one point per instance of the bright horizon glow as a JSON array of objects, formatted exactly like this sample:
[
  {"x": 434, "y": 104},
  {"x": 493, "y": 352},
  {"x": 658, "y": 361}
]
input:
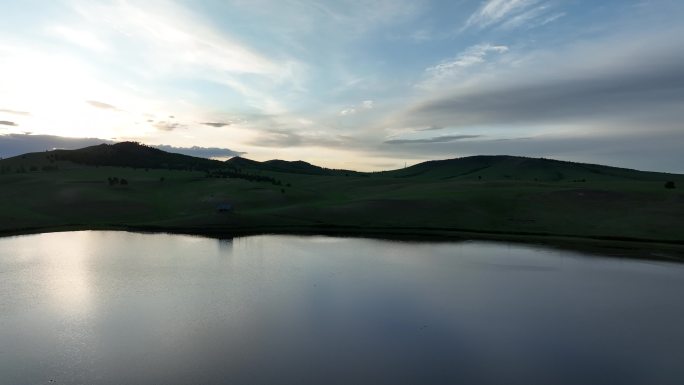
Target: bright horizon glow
[{"x": 364, "y": 85}]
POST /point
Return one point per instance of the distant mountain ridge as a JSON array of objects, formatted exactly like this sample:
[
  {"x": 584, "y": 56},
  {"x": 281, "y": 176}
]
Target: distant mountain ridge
[{"x": 482, "y": 167}]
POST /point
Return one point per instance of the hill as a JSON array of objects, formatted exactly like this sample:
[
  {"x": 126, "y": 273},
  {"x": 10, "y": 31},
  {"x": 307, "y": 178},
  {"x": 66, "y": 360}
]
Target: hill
[
  {"x": 284, "y": 166},
  {"x": 503, "y": 167},
  {"x": 124, "y": 154}
]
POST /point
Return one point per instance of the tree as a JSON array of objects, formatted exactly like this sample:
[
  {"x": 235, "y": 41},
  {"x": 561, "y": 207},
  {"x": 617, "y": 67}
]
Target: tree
[
  {"x": 123, "y": 182},
  {"x": 670, "y": 184}
]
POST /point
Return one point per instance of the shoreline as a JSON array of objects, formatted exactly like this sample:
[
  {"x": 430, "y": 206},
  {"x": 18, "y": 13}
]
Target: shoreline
[{"x": 650, "y": 249}]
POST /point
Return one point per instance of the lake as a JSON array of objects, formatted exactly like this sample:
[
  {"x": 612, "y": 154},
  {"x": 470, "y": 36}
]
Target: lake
[{"x": 104, "y": 307}]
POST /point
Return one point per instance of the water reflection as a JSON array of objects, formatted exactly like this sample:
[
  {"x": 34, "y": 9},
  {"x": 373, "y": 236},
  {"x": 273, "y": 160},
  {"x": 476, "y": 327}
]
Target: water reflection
[
  {"x": 225, "y": 246},
  {"x": 114, "y": 307}
]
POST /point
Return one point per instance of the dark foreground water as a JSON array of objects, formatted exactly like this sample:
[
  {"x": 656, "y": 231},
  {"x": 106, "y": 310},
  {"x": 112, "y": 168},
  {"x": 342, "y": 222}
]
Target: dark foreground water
[{"x": 119, "y": 308}]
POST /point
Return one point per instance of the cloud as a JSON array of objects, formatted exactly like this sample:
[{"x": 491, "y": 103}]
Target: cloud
[
  {"x": 288, "y": 138},
  {"x": 175, "y": 37},
  {"x": 14, "y": 112},
  {"x": 202, "y": 152},
  {"x": 616, "y": 81},
  {"x": 101, "y": 105},
  {"x": 365, "y": 105},
  {"x": 167, "y": 39},
  {"x": 7, "y": 123},
  {"x": 551, "y": 18},
  {"x": 168, "y": 126},
  {"x": 560, "y": 99},
  {"x": 439, "y": 139},
  {"x": 472, "y": 56},
  {"x": 348, "y": 111},
  {"x": 217, "y": 124},
  {"x": 510, "y": 14},
  {"x": 527, "y": 17},
  {"x": 430, "y": 128}
]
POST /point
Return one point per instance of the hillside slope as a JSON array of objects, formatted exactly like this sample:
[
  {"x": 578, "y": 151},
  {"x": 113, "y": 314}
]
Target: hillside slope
[
  {"x": 284, "y": 166},
  {"x": 504, "y": 167},
  {"x": 124, "y": 154}
]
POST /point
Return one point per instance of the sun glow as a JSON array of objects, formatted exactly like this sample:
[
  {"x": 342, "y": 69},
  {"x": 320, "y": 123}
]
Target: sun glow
[{"x": 56, "y": 88}]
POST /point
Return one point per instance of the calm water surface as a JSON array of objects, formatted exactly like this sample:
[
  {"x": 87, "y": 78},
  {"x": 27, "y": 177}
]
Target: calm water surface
[{"x": 104, "y": 307}]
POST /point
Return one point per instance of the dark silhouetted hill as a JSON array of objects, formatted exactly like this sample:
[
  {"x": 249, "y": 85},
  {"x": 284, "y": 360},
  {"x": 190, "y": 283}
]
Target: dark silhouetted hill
[
  {"x": 503, "y": 167},
  {"x": 132, "y": 154},
  {"x": 284, "y": 166}
]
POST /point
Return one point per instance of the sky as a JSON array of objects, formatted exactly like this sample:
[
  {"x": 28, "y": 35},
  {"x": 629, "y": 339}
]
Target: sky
[{"x": 364, "y": 85}]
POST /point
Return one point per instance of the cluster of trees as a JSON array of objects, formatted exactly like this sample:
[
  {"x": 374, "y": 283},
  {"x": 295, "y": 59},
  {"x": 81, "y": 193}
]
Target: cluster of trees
[
  {"x": 23, "y": 170},
  {"x": 113, "y": 181},
  {"x": 670, "y": 184},
  {"x": 248, "y": 177}
]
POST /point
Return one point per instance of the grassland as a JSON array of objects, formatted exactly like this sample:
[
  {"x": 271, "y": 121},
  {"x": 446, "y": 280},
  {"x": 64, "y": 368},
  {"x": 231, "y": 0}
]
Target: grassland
[{"x": 494, "y": 197}]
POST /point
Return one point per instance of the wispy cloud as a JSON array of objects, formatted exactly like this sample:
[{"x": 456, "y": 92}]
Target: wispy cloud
[
  {"x": 438, "y": 139},
  {"x": 177, "y": 36},
  {"x": 365, "y": 105},
  {"x": 217, "y": 124},
  {"x": 526, "y": 17},
  {"x": 168, "y": 126},
  {"x": 7, "y": 123},
  {"x": 14, "y": 112},
  {"x": 104, "y": 106},
  {"x": 471, "y": 57},
  {"x": 510, "y": 14},
  {"x": 170, "y": 41},
  {"x": 289, "y": 138}
]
